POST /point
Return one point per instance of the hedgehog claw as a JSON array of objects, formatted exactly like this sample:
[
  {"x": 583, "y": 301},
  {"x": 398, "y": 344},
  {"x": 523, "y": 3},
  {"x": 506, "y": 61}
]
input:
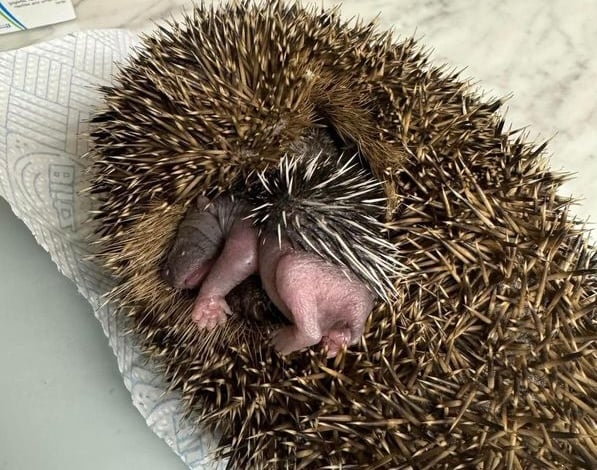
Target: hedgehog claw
[{"x": 335, "y": 341}]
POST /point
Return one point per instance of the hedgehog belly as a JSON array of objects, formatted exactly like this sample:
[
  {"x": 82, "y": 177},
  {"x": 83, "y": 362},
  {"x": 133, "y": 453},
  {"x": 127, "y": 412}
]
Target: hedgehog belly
[{"x": 484, "y": 359}]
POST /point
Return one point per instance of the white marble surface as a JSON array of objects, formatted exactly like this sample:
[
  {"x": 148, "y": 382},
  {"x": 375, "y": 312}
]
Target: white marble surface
[{"x": 541, "y": 52}]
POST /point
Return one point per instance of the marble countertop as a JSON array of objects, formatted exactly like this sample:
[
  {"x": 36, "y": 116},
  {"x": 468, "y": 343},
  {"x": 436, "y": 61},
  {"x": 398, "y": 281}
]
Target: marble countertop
[{"x": 541, "y": 53}]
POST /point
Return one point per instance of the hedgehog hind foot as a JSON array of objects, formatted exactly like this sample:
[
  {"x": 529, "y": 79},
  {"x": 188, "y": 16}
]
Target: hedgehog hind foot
[{"x": 336, "y": 340}]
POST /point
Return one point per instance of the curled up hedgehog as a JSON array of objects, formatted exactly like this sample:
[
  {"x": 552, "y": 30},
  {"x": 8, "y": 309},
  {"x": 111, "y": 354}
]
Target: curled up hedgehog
[{"x": 338, "y": 254}]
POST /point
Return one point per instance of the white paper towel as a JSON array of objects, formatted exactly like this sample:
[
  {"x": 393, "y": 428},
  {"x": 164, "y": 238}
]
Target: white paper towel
[{"x": 47, "y": 93}]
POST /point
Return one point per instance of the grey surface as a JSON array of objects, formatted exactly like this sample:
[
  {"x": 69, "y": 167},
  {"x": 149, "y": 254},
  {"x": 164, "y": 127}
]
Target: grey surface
[{"x": 62, "y": 401}]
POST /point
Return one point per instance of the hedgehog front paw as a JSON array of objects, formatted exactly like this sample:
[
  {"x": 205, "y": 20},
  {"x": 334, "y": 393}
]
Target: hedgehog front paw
[{"x": 210, "y": 312}]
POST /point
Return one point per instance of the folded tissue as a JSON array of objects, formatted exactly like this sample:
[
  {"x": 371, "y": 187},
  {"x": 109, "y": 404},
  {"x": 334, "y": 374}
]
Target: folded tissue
[{"x": 47, "y": 93}]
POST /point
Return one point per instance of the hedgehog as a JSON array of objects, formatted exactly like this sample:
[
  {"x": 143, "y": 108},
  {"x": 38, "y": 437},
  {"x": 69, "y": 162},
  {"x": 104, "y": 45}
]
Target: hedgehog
[{"x": 485, "y": 359}]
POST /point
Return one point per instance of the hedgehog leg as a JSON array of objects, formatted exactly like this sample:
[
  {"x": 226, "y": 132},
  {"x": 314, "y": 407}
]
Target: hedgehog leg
[
  {"x": 302, "y": 308},
  {"x": 236, "y": 262},
  {"x": 294, "y": 337}
]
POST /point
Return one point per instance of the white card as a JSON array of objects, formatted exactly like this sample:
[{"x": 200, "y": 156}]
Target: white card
[{"x": 21, "y": 15}]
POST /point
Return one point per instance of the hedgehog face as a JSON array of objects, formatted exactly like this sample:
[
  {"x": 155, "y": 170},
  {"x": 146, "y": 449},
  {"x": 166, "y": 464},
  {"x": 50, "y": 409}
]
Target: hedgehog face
[{"x": 197, "y": 244}]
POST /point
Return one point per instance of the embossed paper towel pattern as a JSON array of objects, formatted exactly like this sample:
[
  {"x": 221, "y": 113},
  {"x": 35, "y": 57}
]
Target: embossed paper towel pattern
[{"x": 47, "y": 93}]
